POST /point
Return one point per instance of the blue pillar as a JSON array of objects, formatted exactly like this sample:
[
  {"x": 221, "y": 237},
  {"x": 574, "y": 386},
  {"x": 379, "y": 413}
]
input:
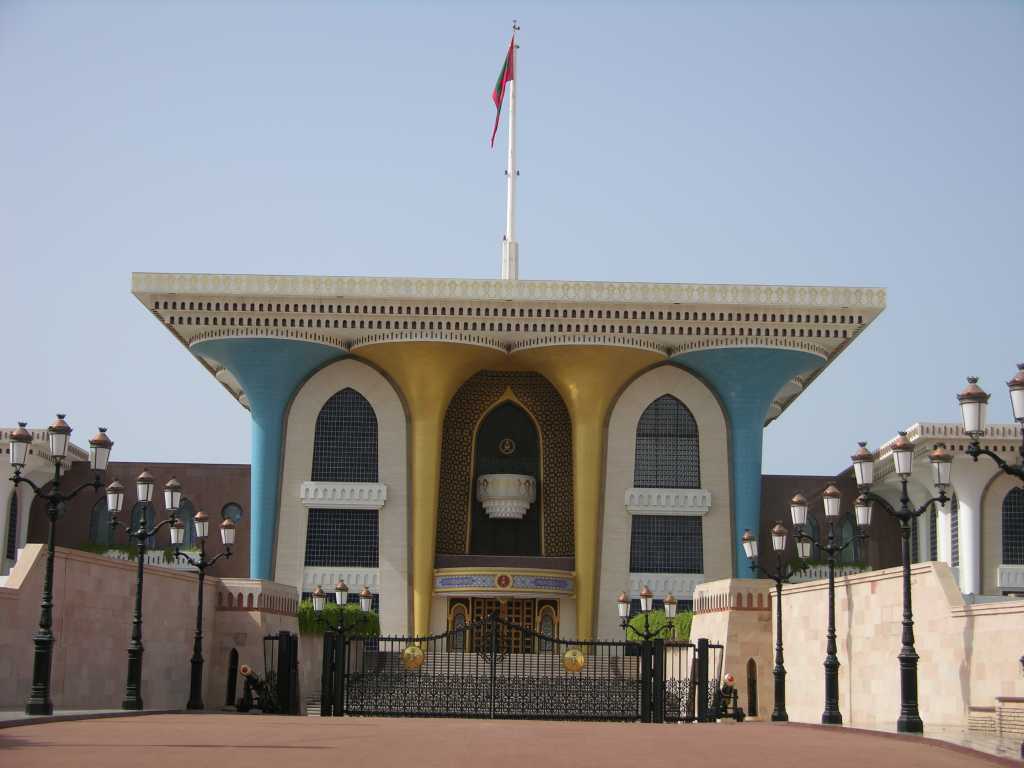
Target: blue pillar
[
  {"x": 269, "y": 372},
  {"x": 746, "y": 380}
]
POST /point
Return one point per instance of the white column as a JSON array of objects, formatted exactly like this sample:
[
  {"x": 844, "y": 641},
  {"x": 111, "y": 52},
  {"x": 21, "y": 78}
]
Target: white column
[
  {"x": 5, "y": 519},
  {"x": 970, "y": 479}
]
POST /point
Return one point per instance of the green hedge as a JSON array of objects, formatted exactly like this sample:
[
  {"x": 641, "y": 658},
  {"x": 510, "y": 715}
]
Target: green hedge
[
  {"x": 657, "y": 619},
  {"x": 364, "y": 624}
]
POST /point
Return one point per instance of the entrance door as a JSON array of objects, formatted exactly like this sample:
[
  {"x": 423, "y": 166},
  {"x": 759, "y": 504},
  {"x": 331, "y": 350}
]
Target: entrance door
[{"x": 518, "y": 612}]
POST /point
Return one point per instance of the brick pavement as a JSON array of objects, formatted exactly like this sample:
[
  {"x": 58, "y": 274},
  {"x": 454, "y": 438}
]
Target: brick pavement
[{"x": 255, "y": 741}]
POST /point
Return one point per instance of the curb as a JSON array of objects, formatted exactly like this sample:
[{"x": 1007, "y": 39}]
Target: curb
[
  {"x": 38, "y": 719},
  {"x": 1000, "y": 759}
]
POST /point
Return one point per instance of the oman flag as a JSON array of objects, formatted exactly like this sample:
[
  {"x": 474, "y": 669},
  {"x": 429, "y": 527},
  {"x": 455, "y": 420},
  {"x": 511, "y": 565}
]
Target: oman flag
[{"x": 506, "y": 76}]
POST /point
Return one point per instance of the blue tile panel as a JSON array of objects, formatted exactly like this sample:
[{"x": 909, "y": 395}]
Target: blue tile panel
[
  {"x": 746, "y": 380},
  {"x": 269, "y": 372}
]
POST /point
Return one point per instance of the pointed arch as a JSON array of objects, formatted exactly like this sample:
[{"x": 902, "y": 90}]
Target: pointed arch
[
  {"x": 345, "y": 440},
  {"x": 12, "y": 526},
  {"x": 667, "y": 446},
  {"x": 1013, "y": 527},
  {"x": 100, "y": 531}
]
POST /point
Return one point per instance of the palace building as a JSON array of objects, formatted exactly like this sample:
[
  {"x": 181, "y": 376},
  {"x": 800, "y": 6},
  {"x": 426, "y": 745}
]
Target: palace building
[{"x": 534, "y": 446}]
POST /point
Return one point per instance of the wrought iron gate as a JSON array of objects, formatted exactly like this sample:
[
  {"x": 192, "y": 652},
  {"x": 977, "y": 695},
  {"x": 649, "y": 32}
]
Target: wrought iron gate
[{"x": 493, "y": 668}]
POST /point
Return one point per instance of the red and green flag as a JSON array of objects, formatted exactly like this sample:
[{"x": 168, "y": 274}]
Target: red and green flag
[{"x": 506, "y": 76}]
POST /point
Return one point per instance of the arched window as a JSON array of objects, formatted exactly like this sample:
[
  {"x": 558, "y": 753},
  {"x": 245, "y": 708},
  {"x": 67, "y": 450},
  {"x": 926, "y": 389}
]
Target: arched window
[
  {"x": 345, "y": 441},
  {"x": 915, "y": 540},
  {"x": 547, "y": 627},
  {"x": 187, "y": 513},
  {"x": 954, "y": 531},
  {"x": 232, "y": 512},
  {"x": 457, "y": 620},
  {"x": 852, "y": 554},
  {"x": 1013, "y": 527},
  {"x": 933, "y": 534},
  {"x": 12, "y": 527},
  {"x": 667, "y": 446},
  {"x": 100, "y": 531}
]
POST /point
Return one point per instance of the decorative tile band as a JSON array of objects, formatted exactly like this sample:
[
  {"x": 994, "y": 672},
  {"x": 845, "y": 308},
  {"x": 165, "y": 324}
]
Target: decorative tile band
[{"x": 497, "y": 581}]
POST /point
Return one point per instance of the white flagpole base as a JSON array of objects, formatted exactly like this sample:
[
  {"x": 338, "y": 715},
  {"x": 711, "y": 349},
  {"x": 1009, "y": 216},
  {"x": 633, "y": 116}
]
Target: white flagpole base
[{"x": 510, "y": 260}]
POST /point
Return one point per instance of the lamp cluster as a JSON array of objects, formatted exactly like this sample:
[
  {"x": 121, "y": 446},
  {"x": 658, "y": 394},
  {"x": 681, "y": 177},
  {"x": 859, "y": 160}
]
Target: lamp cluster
[
  {"x": 974, "y": 403},
  {"x": 670, "y": 604},
  {"x": 779, "y": 537},
  {"x": 58, "y": 437},
  {"x": 341, "y": 597}
]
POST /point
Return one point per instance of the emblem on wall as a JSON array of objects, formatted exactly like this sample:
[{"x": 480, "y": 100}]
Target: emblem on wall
[
  {"x": 413, "y": 657},
  {"x": 507, "y": 446},
  {"x": 573, "y": 660}
]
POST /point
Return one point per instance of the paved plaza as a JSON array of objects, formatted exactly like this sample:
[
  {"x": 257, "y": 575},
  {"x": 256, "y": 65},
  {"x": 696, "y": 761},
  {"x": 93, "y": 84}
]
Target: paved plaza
[{"x": 255, "y": 741}]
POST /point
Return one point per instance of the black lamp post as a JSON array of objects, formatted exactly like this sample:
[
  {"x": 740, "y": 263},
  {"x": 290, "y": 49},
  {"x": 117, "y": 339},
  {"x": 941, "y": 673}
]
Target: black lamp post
[
  {"x": 903, "y": 459},
  {"x": 59, "y": 436},
  {"x": 831, "y": 547},
  {"x": 115, "y": 500},
  {"x": 342, "y": 628},
  {"x": 782, "y": 572},
  {"x": 652, "y": 697},
  {"x": 973, "y": 405},
  {"x": 227, "y": 537}
]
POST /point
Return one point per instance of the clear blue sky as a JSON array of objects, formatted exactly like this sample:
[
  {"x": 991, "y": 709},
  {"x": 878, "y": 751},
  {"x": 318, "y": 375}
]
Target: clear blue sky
[{"x": 861, "y": 143}]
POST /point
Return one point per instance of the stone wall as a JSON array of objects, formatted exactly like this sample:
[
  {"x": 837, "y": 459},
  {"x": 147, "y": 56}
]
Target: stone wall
[
  {"x": 969, "y": 653},
  {"x": 737, "y": 614},
  {"x": 93, "y": 602}
]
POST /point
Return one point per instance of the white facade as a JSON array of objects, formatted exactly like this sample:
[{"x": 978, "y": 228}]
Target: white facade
[
  {"x": 711, "y": 502},
  {"x": 980, "y": 489},
  {"x": 388, "y": 496}
]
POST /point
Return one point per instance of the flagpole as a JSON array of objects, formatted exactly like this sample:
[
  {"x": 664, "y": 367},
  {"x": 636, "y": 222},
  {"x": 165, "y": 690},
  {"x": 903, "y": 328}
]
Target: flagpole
[{"x": 509, "y": 245}]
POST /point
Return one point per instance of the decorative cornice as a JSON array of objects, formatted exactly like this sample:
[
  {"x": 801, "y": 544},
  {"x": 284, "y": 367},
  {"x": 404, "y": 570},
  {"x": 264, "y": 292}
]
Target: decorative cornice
[
  {"x": 1010, "y": 577},
  {"x": 323, "y": 495},
  {"x": 668, "y": 501},
  {"x": 510, "y": 316},
  {"x": 235, "y": 594},
  {"x": 327, "y": 577},
  {"x": 681, "y": 585},
  {"x": 505, "y": 290}
]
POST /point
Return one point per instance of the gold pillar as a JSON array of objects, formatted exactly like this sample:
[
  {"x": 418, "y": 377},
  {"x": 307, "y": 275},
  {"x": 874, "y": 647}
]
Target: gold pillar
[
  {"x": 427, "y": 374},
  {"x": 588, "y": 378}
]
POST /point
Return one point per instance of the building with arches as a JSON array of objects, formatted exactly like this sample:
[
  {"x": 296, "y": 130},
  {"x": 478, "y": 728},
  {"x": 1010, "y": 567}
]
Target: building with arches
[
  {"x": 980, "y": 532},
  {"x": 464, "y": 446}
]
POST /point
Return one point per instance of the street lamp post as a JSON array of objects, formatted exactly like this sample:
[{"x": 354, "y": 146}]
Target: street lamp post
[
  {"x": 59, "y": 435},
  {"x": 831, "y": 547},
  {"x": 652, "y": 641},
  {"x": 342, "y": 629},
  {"x": 973, "y": 406},
  {"x": 115, "y": 500},
  {"x": 903, "y": 459},
  {"x": 781, "y": 573},
  {"x": 227, "y": 537}
]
